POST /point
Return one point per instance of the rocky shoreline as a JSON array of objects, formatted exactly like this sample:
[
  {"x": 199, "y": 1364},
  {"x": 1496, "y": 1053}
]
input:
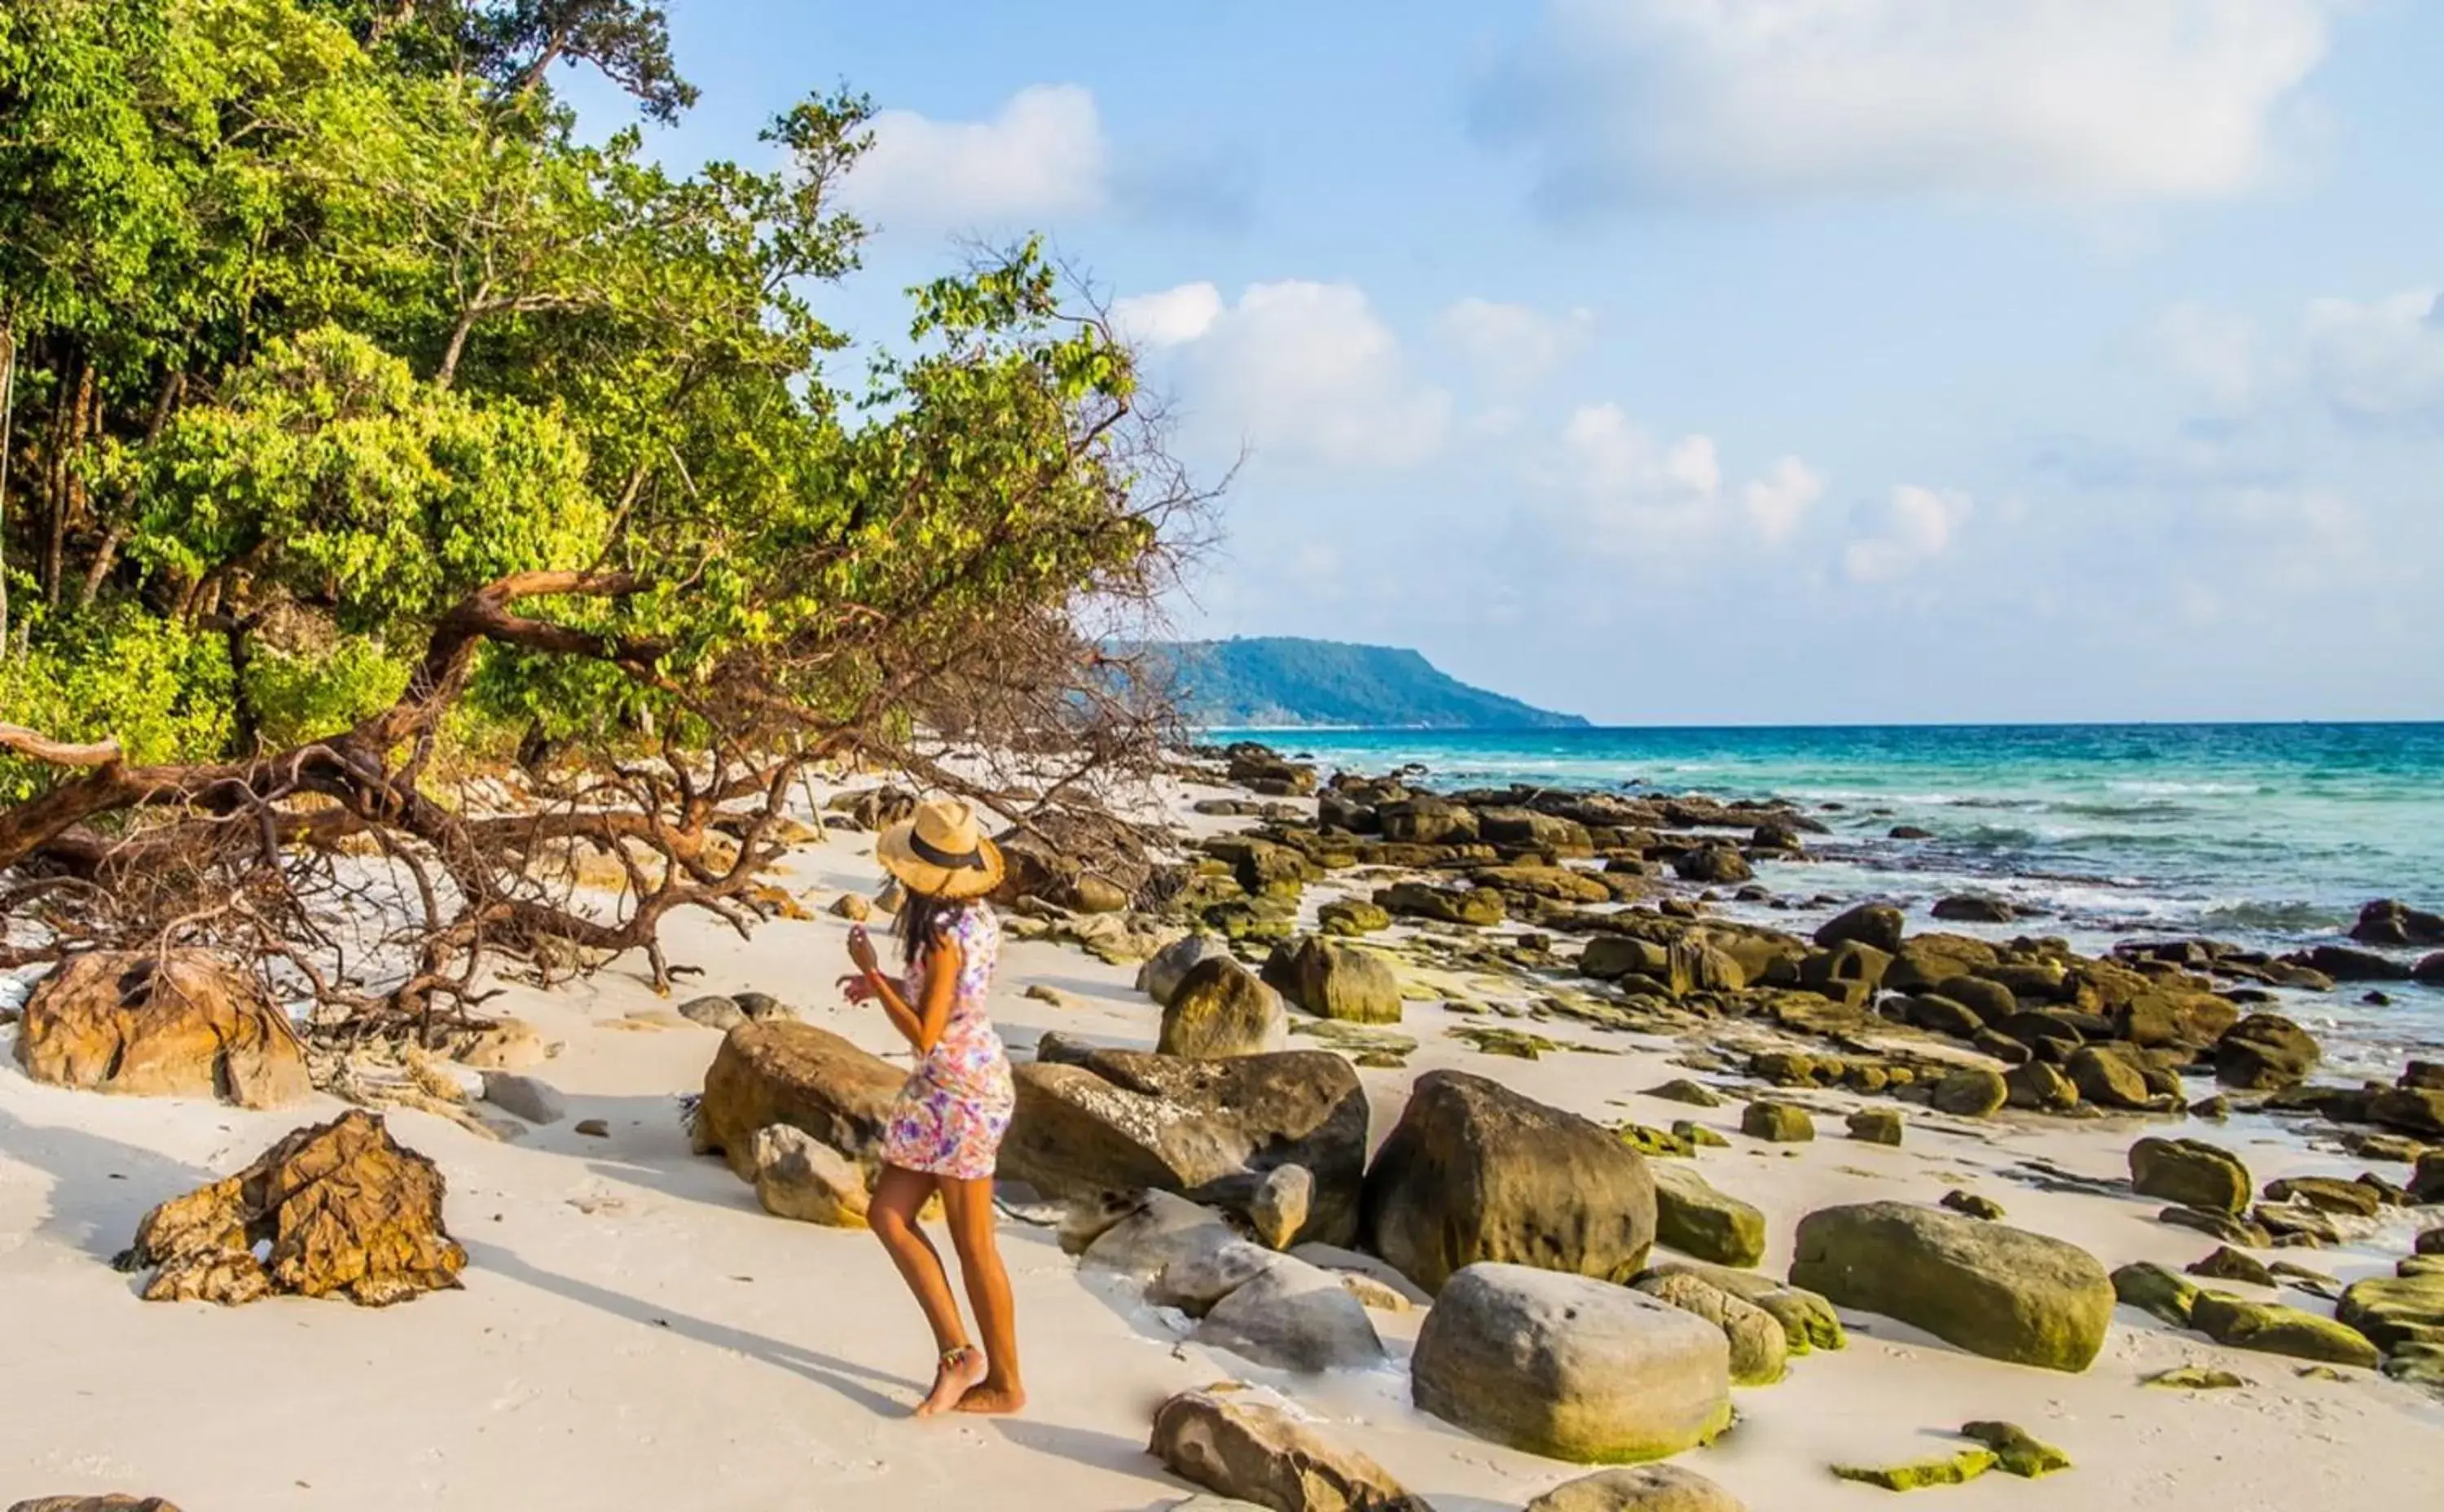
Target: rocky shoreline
[{"x": 1466, "y": 1136}]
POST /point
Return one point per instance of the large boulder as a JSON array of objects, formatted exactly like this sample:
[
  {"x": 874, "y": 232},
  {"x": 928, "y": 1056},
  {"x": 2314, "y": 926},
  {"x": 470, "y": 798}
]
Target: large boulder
[
  {"x": 2413, "y": 1110},
  {"x": 1476, "y": 1171},
  {"x": 1990, "y": 1288},
  {"x": 1697, "y": 1220},
  {"x": 1292, "y": 1316},
  {"x": 1481, "y": 907},
  {"x": 1248, "y": 1452},
  {"x": 335, "y": 1210},
  {"x": 1167, "y": 968},
  {"x": 181, "y": 1024},
  {"x": 2396, "y": 1311},
  {"x": 2264, "y": 1052},
  {"x": 2191, "y": 1172},
  {"x": 1220, "y": 1010},
  {"x": 777, "y": 1071},
  {"x": 2388, "y": 922},
  {"x": 1570, "y": 1366},
  {"x": 1876, "y": 924},
  {"x": 1639, "y": 1488},
  {"x": 1122, "y": 1121},
  {"x": 1427, "y": 821},
  {"x": 1714, "y": 864},
  {"x": 1344, "y": 982}
]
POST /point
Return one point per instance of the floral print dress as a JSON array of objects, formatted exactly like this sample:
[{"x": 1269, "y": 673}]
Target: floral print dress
[{"x": 950, "y": 1117}]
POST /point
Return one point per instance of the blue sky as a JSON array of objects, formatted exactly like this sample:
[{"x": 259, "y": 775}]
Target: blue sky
[{"x": 1730, "y": 361}]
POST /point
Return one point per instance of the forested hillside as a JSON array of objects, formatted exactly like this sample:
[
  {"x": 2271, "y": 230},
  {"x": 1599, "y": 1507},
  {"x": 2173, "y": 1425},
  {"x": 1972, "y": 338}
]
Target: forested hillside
[{"x": 1288, "y": 681}]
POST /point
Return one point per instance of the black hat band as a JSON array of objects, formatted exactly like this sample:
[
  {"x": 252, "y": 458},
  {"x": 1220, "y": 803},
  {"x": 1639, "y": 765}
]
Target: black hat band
[{"x": 972, "y": 861}]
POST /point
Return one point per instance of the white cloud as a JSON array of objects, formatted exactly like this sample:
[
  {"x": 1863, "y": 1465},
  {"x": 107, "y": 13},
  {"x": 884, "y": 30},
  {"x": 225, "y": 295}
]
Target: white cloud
[
  {"x": 1912, "y": 528},
  {"x": 1513, "y": 345},
  {"x": 2382, "y": 362},
  {"x": 1043, "y": 154},
  {"x": 1778, "y": 502},
  {"x": 1632, "y": 493},
  {"x": 1301, "y": 369},
  {"x": 2374, "y": 363},
  {"x": 2078, "y": 101},
  {"x": 1171, "y": 318}
]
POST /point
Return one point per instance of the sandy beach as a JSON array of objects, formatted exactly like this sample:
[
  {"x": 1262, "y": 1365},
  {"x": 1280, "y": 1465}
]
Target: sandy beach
[{"x": 636, "y": 1332}]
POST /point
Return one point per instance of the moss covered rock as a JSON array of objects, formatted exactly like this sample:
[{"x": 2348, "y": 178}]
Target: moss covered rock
[
  {"x": 1760, "y": 1354},
  {"x": 2275, "y": 1329},
  {"x": 1778, "y": 1122},
  {"x": 1990, "y": 1288},
  {"x": 1570, "y": 1366},
  {"x": 1876, "y": 1125},
  {"x": 1808, "y": 1321},
  {"x": 2191, "y": 1172},
  {"x": 1696, "y": 1219},
  {"x": 1957, "y": 1469},
  {"x": 1973, "y": 1093},
  {"x": 2154, "y": 1290}
]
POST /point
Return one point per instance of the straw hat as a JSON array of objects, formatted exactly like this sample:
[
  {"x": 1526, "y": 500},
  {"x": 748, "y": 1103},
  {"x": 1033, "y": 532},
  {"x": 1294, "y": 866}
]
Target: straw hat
[{"x": 941, "y": 852}]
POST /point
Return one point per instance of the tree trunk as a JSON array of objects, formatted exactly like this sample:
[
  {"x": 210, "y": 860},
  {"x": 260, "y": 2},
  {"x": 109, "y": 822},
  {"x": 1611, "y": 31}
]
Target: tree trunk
[{"x": 7, "y": 415}]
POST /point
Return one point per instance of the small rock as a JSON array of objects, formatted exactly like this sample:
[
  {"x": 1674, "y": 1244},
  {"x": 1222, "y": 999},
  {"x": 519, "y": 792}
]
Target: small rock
[
  {"x": 2195, "y": 1378},
  {"x": 1639, "y": 1488},
  {"x": 2226, "y": 1264},
  {"x": 1373, "y": 1293},
  {"x": 1759, "y": 1351},
  {"x": 594, "y": 1128},
  {"x": 1279, "y": 1209},
  {"x": 1693, "y": 1218},
  {"x": 1808, "y": 1321},
  {"x": 1777, "y": 1122},
  {"x": 1696, "y": 1094},
  {"x": 713, "y": 1011},
  {"x": 1876, "y": 1126},
  {"x": 2214, "y": 1221},
  {"x": 1974, "y": 1205},
  {"x": 1038, "y": 993},
  {"x": 853, "y": 906},
  {"x": 1969, "y": 907},
  {"x": 1696, "y": 1135},
  {"x": 763, "y": 1007},
  {"x": 525, "y": 1097}
]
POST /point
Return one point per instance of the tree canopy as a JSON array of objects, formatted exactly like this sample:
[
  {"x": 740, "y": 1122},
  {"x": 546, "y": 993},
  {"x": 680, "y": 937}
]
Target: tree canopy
[{"x": 359, "y": 418}]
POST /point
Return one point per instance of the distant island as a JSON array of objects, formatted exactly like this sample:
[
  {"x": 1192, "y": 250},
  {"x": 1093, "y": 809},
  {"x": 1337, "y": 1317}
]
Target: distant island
[{"x": 1285, "y": 681}]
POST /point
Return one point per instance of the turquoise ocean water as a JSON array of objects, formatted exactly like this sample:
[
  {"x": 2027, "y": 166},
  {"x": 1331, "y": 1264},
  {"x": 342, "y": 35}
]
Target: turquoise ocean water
[{"x": 2273, "y": 834}]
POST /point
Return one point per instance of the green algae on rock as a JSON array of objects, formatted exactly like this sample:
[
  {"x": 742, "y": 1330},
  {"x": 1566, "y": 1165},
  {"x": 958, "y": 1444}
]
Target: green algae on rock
[
  {"x": 2016, "y": 1451},
  {"x": 1953, "y": 1469}
]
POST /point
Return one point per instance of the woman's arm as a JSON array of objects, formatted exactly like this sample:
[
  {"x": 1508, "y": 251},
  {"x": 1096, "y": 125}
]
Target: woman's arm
[{"x": 921, "y": 1025}]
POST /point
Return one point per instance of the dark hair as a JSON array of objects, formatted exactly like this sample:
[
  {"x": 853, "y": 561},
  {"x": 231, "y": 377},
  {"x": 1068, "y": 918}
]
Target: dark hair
[{"x": 924, "y": 918}]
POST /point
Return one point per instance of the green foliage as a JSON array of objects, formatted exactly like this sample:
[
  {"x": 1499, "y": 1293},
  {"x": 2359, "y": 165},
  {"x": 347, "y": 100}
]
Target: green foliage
[
  {"x": 300, "y": 695},
  {"x": 161, "y": 690},
  {"x": 1286, "y": 681},
  {"x": 328, "y": 474},
  {"x": 329, "y": 318}
]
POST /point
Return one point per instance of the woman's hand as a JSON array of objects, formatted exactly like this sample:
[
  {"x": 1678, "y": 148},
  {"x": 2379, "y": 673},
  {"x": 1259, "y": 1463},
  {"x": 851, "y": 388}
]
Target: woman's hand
[
  {"x": 860, "y": 949},
  {"x": 859, "y": 987}
]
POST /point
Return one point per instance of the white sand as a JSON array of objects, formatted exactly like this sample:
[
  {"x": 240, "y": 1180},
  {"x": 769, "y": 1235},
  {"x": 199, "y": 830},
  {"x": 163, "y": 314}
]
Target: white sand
[{"x": 636, "y": 1332}]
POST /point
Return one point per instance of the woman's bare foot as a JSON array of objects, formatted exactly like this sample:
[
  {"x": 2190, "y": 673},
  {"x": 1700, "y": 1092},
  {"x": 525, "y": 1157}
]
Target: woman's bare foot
[
  {"x": 959, "y": 1373},
  {"x": 991, "y": 1398}
]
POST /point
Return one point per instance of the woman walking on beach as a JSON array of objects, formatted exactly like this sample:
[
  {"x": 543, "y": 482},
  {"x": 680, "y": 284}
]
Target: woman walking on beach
[{"x": 946, "y": 1127}]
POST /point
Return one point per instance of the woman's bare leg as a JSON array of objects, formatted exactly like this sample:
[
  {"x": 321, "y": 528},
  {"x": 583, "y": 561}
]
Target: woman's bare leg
[
  {"x": 892, "y": 1215},
  {"x": 969, "y": 1207}
]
